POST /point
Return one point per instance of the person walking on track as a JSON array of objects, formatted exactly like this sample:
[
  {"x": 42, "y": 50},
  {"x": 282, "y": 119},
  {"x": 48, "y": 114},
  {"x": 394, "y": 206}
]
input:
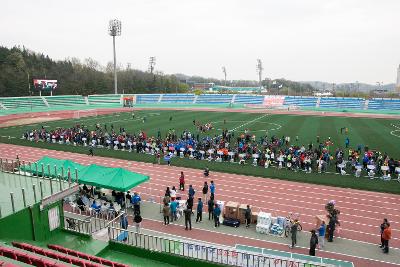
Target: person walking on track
[{"x": 182, "y": 182}]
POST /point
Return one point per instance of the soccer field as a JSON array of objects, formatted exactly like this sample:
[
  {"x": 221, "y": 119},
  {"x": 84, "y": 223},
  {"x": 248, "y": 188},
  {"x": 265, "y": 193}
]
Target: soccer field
[{"x": 377, "y": 134}]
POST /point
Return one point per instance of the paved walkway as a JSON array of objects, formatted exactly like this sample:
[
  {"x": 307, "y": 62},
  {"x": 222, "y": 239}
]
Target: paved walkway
[{"x": 361, "y": 253}]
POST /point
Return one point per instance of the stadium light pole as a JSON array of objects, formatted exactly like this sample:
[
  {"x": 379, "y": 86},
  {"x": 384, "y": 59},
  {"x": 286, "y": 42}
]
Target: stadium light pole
[
  {"x": 259, "y": 68},
  {"x": 114, "y": 29},
  {"x": 224, "y": 72}
]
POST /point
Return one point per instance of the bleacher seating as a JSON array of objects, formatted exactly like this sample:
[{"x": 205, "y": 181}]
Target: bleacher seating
[
  {"x": 150, "y": 98},
  {"x": 68, "y": 255},
  {"x": 104, "y": 99},
  {"x": 300, "y": 101},
  {"x": 22, "y": 102},
  {"x": 28, "y": 258},
  {"x": 85, "y": 256},
  {"x": 214, "y": 99},
  {"x": 249, "y": 99},
  {"x": 342, "y": 102},
  {"x": 65, "y": 100},
  {"x": 178, "y": 98},
  {"x": 384, "y": 104}
]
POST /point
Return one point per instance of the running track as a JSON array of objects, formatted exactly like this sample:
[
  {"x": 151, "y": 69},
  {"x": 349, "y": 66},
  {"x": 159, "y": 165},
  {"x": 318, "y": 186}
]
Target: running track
[{"x": 361, "y": 211}]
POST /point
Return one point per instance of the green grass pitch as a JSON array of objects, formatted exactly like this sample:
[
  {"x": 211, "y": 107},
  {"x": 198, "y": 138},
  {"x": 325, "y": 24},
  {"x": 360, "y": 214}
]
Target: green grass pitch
[{"x": 379, "y": 134}]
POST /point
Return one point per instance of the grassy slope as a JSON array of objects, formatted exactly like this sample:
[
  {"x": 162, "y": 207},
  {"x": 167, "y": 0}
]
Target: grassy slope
[{"x": 374, "y": 132}]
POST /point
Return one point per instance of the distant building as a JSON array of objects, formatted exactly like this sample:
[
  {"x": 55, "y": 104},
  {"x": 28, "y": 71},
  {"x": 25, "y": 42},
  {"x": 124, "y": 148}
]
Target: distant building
[{"x": 202, "y": 86}]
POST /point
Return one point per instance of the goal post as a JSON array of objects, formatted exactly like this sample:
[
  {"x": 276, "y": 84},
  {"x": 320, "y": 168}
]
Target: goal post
[{"x": 85, "y": 113}]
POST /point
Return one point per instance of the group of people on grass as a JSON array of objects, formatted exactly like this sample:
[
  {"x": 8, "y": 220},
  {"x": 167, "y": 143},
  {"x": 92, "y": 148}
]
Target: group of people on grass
[{"x": 243, "y": 148}]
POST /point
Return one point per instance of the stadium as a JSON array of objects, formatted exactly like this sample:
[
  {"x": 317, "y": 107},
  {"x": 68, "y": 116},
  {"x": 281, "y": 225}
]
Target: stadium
[
  {"x": 269, "y": 185},
  {"x": 115, "y": 166}
]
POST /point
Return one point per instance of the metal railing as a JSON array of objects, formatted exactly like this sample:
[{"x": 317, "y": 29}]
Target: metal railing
[
  {"x": 83, "y": 226},
  {"x": 203, "y": 252}
]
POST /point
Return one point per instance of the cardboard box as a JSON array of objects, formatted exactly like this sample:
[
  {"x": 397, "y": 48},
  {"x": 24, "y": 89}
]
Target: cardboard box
[
  {"x": 232, "y": 210},
  {"x": 254, "y": 216},
  {"x": 242, "y": 210}
]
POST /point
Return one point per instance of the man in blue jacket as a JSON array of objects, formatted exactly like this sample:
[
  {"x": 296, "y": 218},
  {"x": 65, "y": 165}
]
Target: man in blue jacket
[
  {"x": 217, "y": 213},
  {"x": 173, "y": 205},
  {"x": 191, "y": 191},
  {"x": 212, "y": 188},
  {"x": 136, "y": 202},
  {"x": 199, "y": 210}
]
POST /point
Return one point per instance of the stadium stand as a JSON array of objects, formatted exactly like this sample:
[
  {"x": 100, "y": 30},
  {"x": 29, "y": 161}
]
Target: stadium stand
[
  {"x": 109, "y": 99},
  {"x": 249, "y": 99},
  {"x": 66, "y": 255},
  {"x": 214, "y": 99},
  {"x": 384, "y": 103},
  {"x": 178, "y": 98},
  {"x": 65, "y": 100},
  {"x": 300, "y": 101},
  {"x": 22, "y": 102},
  {"x": 341, "y": 102},
  {"x": 151, "y": 98}
]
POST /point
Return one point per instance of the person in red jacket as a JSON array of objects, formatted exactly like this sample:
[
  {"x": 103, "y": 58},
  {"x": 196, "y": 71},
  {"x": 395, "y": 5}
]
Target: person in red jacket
[
  {"x": 182, "y": 182},
  {"x": 387, "y": 235}
]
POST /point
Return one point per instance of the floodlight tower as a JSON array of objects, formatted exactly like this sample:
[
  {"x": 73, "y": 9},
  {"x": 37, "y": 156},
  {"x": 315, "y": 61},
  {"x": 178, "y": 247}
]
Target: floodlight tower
[
  {"x": 152, "y": 63},
  {"x": 224, "y": 72},
  {"x": 259, "y": 69},
  {"x": 114, "y": 29}
]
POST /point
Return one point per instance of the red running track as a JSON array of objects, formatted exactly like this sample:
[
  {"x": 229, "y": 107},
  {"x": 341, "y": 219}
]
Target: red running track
[
  {"x": 361, "y": 211},
  {"x": 15, "y": 119}
]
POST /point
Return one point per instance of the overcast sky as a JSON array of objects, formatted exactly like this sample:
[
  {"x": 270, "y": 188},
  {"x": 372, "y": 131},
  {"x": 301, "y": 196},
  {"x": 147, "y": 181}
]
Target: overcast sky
[{"x": 326, "y": 40}]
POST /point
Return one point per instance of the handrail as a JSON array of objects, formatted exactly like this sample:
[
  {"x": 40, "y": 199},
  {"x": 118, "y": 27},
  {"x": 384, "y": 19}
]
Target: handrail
[{"x": 203, "y": 252}]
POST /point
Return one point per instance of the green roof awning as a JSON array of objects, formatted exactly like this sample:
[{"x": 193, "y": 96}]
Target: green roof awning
[{"x": 111, "y": 178}]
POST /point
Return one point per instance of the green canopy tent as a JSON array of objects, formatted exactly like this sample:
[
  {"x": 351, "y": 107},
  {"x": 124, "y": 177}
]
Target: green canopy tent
[
  {"x": 61, "y": 167},
  {"x": 117, "y": 179},
  {"x": 111, "y": 178}
]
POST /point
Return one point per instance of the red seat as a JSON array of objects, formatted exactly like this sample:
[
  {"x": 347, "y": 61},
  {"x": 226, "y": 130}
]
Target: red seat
[
  {"x": 64, "y": 258},
  {"x": 78, "y": 262},
  {"x": 50, "y": 254},
  {"x": 24, "y": 258},
  {"x": 9, "y": 253},
  {"x": 107, "y": 262},
  {"x": 83, "y": 255}
]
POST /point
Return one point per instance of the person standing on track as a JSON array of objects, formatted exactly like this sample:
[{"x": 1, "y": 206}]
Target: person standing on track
[
  {"x": 188, "y": 218},
  {"x": 247, "y": 216},
  {"x": 205, "y": 192},
  {"x": 293, "y": 231},
  {"x": 212, "y": 189},
  {"x": 217, "y": 213},
  {"x": 199, "y": 210},
  {"x": 387, "y": 235},
  {"x": 210, "y": 208},
  {"x": 182, "y": 182},
  {"x": 313, "y": 243},
  {"x": 382, "y": 229},
  {"x": 321, "y": 234}
]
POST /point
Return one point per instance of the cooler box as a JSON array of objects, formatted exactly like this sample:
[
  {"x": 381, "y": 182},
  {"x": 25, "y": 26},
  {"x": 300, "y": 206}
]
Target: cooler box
[
  {"x": 264, "y": 218},
  {"x": 231, "y": 210},
  {"x": 281, "y": 221},
  {"x": 262, "y": 228}
]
